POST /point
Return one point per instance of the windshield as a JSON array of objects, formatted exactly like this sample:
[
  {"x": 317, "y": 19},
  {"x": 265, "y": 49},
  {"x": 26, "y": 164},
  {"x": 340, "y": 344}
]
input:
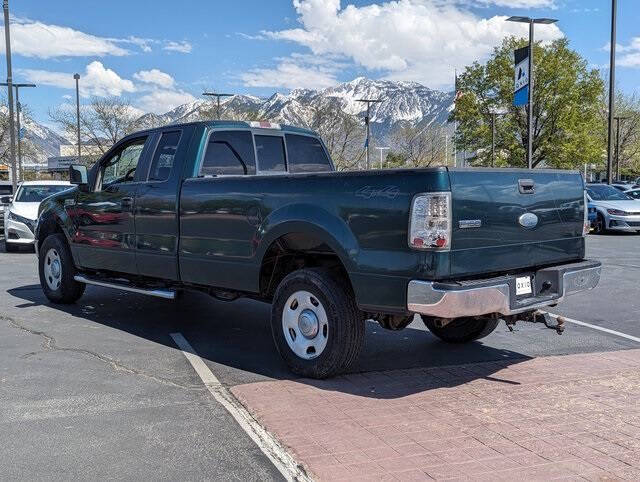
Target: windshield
[
  {"x": 36, "y": 194},
  {"x": 605, "y": 192}
]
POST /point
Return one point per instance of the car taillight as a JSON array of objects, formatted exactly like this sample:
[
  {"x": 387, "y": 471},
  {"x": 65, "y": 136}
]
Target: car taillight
[
  {"x": 586, "y": 227},
  {"x": 430, "y": 223}
]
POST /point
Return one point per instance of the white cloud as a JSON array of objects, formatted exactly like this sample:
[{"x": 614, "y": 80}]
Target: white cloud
[
  {"x": 296, "y": 71},
  {"x": 163, "y": 100},
  {"x": 419, "y": 40},
  {"x": 156, "y": 77},
  {"x": 627, "y": 55},
  {"x": 183, "y": 47},
  {"x": 36, "y": 39},
  {"x": 97, "y": 80}
]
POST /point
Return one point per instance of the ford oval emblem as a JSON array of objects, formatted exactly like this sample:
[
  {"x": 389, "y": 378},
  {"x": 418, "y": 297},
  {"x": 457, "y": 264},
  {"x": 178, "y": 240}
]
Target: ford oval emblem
[{"x": 528, "y": 220}]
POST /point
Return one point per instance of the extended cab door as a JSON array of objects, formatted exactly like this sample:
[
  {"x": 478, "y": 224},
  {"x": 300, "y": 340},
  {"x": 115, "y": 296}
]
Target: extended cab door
[
  {"x": 104, "y": 237},
  {"x": 157, "y": 203}
]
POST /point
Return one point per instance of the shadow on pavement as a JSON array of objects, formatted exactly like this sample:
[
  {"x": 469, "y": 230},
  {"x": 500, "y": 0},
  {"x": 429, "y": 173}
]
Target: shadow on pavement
[{"x": 237, "y": 335}]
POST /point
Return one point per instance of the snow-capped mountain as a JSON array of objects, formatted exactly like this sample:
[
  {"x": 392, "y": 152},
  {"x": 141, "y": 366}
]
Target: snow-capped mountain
[{"x": 402, "y": 102}]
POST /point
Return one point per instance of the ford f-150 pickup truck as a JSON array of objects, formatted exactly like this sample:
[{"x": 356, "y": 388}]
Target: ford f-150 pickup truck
[{"x": 255, "y": 209}]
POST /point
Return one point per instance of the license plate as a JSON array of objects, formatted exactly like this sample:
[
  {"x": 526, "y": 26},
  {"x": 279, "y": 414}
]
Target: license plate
[{"x": 523, "y": 286}]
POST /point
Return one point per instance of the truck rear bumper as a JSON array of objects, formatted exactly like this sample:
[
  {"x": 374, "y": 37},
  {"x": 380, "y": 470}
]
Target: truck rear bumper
[{"x": 498, "y": 295}]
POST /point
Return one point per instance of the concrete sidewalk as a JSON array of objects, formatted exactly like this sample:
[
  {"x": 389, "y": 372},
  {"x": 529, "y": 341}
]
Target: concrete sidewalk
[{"x": 563, "y": 417}]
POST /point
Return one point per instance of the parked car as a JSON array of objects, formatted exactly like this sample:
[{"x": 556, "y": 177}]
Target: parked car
[
  {"x": 6, "y": 191},
  {"x": 625, "y": 186},
  {"x": 616, "y": 211},
  {"x": 21, "y": 214},
  {"x": 633, "y": 193},
  {"x": 255, "y": 209}
]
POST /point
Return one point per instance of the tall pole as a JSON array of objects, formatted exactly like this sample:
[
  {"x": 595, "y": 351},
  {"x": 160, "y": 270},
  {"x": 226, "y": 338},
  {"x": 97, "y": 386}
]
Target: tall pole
[
  {"x": 618, "y": 148},
  {"x": 18, "y": 109},
  {"x": 381, "y": 149},
  {"x": 530, "y": 139},
  {"x": 612, "y": 90},
  {"x": 12, "y": 133},
  {"x": 493, "y": 139},
  {"x": 213, "y": 94},
  {"x": 368, "y": 133},
  {"x": 77, "y": 78}
]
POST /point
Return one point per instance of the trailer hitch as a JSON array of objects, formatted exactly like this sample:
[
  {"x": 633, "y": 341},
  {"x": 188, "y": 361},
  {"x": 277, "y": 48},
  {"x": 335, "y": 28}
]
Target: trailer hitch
[{"x": 556, "y": 323}]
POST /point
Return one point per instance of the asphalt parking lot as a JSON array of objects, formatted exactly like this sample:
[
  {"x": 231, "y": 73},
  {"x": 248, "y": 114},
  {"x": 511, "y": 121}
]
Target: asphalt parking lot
[{"x": 100, "y": 389}]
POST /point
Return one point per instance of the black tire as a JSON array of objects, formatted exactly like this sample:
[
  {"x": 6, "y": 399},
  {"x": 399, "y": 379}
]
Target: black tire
[
  {"x": 600, "y": 226},
  {"x": 11, "y": 247},
  {"x": 462, "y": 330},
  {"x": 69, "y": 290},
  {"x": 345, "y": 323}
]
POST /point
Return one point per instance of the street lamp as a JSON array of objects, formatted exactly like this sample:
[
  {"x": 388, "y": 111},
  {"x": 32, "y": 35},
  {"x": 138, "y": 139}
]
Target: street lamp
[
  {"x": 366, "y": 121},
  {"x": 619, "y": 120},
  {"x": 494, "y": 114},
  {"x": 382, "y": 149},
  {"x": 12, "y": 134},
  {"x": 531, "y": 22},
  {"x": 217, "y": 96},
  {"x": 18, "y": 111},
  {"x": 77, "y": 79},
  {"x": 612, "y": 89}
]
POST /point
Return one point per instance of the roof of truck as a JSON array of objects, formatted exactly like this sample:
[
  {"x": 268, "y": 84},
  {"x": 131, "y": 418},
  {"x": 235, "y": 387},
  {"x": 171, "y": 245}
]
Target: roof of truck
[{"x": 244, "y": 125}]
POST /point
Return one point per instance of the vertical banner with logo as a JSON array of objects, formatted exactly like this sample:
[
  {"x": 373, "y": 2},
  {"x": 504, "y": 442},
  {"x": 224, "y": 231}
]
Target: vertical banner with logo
[{"x": 521, "y": 77}]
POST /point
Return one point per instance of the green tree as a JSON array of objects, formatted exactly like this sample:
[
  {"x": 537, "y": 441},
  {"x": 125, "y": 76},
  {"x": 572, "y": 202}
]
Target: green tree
[{"x": 566, "y": 115}]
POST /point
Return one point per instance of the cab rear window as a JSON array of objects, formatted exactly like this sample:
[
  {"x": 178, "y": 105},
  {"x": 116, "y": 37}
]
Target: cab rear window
[{"x": 306, "y": 154}]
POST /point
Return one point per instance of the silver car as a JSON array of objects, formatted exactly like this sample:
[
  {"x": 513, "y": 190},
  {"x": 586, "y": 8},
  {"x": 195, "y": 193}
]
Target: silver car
[{"x": 616, "y": 211}]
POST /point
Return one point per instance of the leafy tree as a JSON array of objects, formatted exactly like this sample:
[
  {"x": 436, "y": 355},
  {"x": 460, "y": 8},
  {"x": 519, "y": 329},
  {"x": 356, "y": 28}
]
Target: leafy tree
[
  {"x": 627, "y": 107},
  {"x": 420, "y": 146},
  {"x": 566, "y": 115}
]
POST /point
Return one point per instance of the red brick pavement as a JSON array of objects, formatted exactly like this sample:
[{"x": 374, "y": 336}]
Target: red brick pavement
[{"x": 565, "y": 417}]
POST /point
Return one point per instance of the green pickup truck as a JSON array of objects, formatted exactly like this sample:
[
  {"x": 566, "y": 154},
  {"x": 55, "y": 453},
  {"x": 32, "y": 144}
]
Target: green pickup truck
[{"x": 257, "y": 210}]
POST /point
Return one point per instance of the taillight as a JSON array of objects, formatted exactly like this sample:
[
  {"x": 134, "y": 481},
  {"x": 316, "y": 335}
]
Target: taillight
[
  {"x": 430, "y": 223},
  {"x": 586, "y": 226}
]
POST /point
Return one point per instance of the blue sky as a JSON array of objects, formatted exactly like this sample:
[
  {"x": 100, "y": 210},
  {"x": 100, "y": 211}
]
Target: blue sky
[{"x": 163, "y": 53}]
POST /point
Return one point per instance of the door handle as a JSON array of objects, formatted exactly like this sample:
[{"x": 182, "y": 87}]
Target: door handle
[{"x": 126, "y": 202}]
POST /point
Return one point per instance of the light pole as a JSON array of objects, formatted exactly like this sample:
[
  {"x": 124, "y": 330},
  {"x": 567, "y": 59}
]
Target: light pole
[
  {"x": 494, "y": 114},
  {"x": 217, "y": 96},
  {"x": 619, "y": 120},
  {"x": 612, "y": 89},
  {"x": 531, "y": 22},
  {"x": 367, "y": 121},
  {"x": 12, "y": 134},
  {"x": 18, "y": 111},
  {"x": 77, "y": 78},
  {"x": 382, "y": 149}
]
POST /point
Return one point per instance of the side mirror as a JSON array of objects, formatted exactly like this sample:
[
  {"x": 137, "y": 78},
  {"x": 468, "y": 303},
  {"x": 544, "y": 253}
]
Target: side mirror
[
  {"x": 78, "y": 174},
  {"x": 6, "y": 200}
]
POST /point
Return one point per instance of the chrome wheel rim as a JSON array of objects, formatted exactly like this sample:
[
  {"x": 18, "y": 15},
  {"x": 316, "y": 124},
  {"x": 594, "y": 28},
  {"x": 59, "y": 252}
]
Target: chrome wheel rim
[
  {"x": 305, "y": 325},
  {"x": 53, "y": 269}
]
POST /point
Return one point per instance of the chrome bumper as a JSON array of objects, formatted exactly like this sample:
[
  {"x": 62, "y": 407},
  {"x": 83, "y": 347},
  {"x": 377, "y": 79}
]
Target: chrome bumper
[{"x": 497, "y": 295}]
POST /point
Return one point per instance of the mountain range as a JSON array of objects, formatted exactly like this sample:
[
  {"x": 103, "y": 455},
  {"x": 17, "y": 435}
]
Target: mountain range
[{"x": 402, "y": 103}]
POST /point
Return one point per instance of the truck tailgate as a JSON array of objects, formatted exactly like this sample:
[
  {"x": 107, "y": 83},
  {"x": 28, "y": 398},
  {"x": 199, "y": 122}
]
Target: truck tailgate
[{"x": 514, "y": 219}]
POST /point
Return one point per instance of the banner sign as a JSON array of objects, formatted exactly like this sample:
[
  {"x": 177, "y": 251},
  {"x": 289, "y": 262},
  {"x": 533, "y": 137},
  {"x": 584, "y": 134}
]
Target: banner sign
[{"x": 521, "y": 77}]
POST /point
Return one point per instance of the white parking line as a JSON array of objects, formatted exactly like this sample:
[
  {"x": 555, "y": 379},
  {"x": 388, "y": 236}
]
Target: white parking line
[
  {"x": 599, "y": 328},
  {"x": 276, "y": 453}
]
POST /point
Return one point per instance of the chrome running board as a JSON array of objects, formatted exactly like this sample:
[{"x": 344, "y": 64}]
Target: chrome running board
[{"x": 166, "y": 294}]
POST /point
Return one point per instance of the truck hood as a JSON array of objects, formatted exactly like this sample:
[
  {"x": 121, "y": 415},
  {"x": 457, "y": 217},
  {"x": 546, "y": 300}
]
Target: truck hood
[{"x": 26, "y": 210}]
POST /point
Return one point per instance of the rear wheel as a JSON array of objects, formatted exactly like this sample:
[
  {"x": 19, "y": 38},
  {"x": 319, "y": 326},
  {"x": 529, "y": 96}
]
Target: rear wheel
[
  {"x": 316, "y": 324},
  {"x": 56, "y": 269},
  {"x": 462, "y": 330}
]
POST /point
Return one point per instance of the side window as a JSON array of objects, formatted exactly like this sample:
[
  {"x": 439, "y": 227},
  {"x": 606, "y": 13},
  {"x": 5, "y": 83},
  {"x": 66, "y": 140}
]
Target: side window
[
  {"x": 229, "y": 153},
  {"x": 162, "y": 162},
  {"x": 121, "y": 168},
  {"x": 306, "y": 154},
  {"x": 270, "y": 150}
]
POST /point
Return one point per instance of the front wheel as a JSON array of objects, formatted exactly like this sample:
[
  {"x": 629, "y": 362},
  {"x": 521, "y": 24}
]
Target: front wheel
[
  {"x": 599, "y": 225},
  {"x": 56, "y": 269},
  {"x": 316, "y": 324},
  {"x": 462, "y": 330}
]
